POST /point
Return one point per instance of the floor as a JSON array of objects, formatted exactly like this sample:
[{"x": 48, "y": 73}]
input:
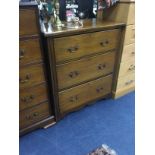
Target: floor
[{"x": 108, "y": 122}]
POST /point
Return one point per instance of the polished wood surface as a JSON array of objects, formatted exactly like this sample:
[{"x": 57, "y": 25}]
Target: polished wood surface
[
  {"x": 31, "y": 75},
  {"x": 34, "y": 114},
  {"x": 89, "y": 25},
  {"x": 77, "y": 46},
  {"x": 85, "y": 69},
  {"x": 28, "y": 22},
  {"x": 77, "y": 96},
  {"x": 32, "y": 96},
  {"x": 29, "y": 51}
]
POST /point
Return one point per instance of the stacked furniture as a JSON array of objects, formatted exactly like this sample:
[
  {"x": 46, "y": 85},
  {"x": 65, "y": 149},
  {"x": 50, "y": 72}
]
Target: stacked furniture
[
  {"x": 35, "y": 105},
  {"x": 124, "y": 11},
  {"x": 82, "y": 62}
]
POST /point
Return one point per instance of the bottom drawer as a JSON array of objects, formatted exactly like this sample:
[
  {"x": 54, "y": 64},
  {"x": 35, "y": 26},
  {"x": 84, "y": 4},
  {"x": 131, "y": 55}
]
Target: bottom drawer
[
  {"x": 33, "y": 115},
  {"x": 126, "y": 81},
  {"x": 80, "y": 95}
]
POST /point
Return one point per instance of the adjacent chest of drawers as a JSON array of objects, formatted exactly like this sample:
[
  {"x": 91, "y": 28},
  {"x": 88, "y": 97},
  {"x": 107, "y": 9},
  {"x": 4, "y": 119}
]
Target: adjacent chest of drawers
[
  {"x": 35, "y": 108},
  {"x": 82, "y": 62},
  {"x": 125, "y": 79}
]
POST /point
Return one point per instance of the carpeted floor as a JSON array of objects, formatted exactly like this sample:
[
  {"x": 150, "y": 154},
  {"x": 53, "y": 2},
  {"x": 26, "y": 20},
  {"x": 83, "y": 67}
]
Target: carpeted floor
[{"x": 108, "y": 122}]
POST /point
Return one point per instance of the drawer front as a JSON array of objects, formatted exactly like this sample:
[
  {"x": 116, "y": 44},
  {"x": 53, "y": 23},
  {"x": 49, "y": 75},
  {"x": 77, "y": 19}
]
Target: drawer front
[
  {"x": 72, "y": 47},
  {"x": 28, "y": 22},
  {"x": 129, "y": 35},
  {"x": 127, "y": 67},
  {"x": 128, "y": 52},
  {"x": 78, "y": 96},
  {"x": 32, "y": 96},
  {"x": 33, "y": 115},
  {"x": 86, "y": 69},
  {"x": 29, "y": 51},
  {"x": 126, "y": 81},
  {"x": 31, "y": 75}
]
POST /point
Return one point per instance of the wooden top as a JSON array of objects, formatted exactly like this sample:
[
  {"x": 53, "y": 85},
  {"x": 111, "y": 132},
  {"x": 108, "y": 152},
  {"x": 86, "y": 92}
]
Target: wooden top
[
  {"x": 31, "y": 3},
  {"x": 89, "y": 25}
]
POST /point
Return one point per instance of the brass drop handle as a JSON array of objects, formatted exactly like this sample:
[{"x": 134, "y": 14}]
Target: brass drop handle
[
  {"x": 101, "y": 66},
  {"x": 30, "y": 117},
  {"x": 129, "y": 82},
  {"x": 27, "y": 78},
  {"x": 73, "y": 49},
  {"x": 104, "y": 43},
  {"x": 73, "y": 74},
  {"x": 21, "y": 54},
  {"x": 27, "y": 99},
  {"x": 74, "y": 98},
  {"x": 100, "y": 89},
  {"x": 131, "y": 68}
]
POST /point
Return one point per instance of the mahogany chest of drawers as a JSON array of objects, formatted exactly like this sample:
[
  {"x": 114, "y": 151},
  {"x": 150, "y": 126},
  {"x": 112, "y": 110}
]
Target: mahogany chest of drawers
[
  {"x": 35, "y": 107},
  {"x": 82, "y": 62}
]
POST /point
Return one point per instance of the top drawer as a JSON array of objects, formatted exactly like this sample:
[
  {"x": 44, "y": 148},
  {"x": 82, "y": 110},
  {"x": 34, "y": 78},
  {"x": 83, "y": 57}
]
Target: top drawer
[
  {"x": 77, "y": 46},
  {"x": 28, "y": 22}
]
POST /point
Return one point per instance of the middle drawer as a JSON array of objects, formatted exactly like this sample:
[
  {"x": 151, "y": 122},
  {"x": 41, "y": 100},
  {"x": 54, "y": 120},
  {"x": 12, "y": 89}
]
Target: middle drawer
[
  {"x": 86, "y": 69},
  {"x": 32, "y": 96},
  {"x": 31, "y": 75}
]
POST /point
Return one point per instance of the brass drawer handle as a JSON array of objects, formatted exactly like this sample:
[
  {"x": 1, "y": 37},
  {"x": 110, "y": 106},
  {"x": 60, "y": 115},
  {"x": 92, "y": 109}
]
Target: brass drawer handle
[
  {"x": 74, "y": 98},
  {"x": 21, "y": 54},
  {"x": 27, "y": 78},
  {"x": 129, "y": 82},
  {"x": 99, "y": 90},
  {"x": 104, "y": 43},
  {"x": 73, "y": 74},
  {"x": 28, "y": 99},
  {"x": 73, "y": 49},
  {"x": 101, "y": 66},
  {"x": 31, "y": 117},
  {"x": 131, "y": 68},
  {"x": 133, "y": 53}
]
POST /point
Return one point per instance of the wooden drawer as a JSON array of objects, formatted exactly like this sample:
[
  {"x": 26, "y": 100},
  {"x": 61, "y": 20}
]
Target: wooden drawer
[
  {"x": 28, "y": 22},
  {"x": 85, "y": 44},
  {"x": 75, "y": 72},
  {"x": 29, "y": 51},
  {"x": 31, "y": 75},
  {"x": 80, "y": 95},
  {"x": 32, "y": 96},
  {"x": 129, "y": 35},
  {"x": 33, "y": 115},
  {"x": 128, "y": 52},
  {"x": 126, "y": 81},
  {"x": 127, "y": 67}
]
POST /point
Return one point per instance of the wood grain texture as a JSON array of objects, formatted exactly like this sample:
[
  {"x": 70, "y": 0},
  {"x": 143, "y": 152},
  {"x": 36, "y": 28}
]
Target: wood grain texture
[
  {"x": 29, "y": 51},
  {"x": 31, "y": 75},
  {"x": 80, "y": 95},
  {"x": 34, "y": 114},
  {"x": 121, "y": 12},
  {"x": 28, "y": 22},
  {"x": 128, "y": 52},
  {"x": 32, "y": 96},
  {"x": 77, "y": 46},
  {"x": 89, "y": 68}
]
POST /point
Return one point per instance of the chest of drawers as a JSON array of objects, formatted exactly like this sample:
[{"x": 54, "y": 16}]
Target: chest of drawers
[
  {"x": 82, "y": 62},
  {"x": 35, "y": 107},
  {"x": 124, "y": 11}
]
